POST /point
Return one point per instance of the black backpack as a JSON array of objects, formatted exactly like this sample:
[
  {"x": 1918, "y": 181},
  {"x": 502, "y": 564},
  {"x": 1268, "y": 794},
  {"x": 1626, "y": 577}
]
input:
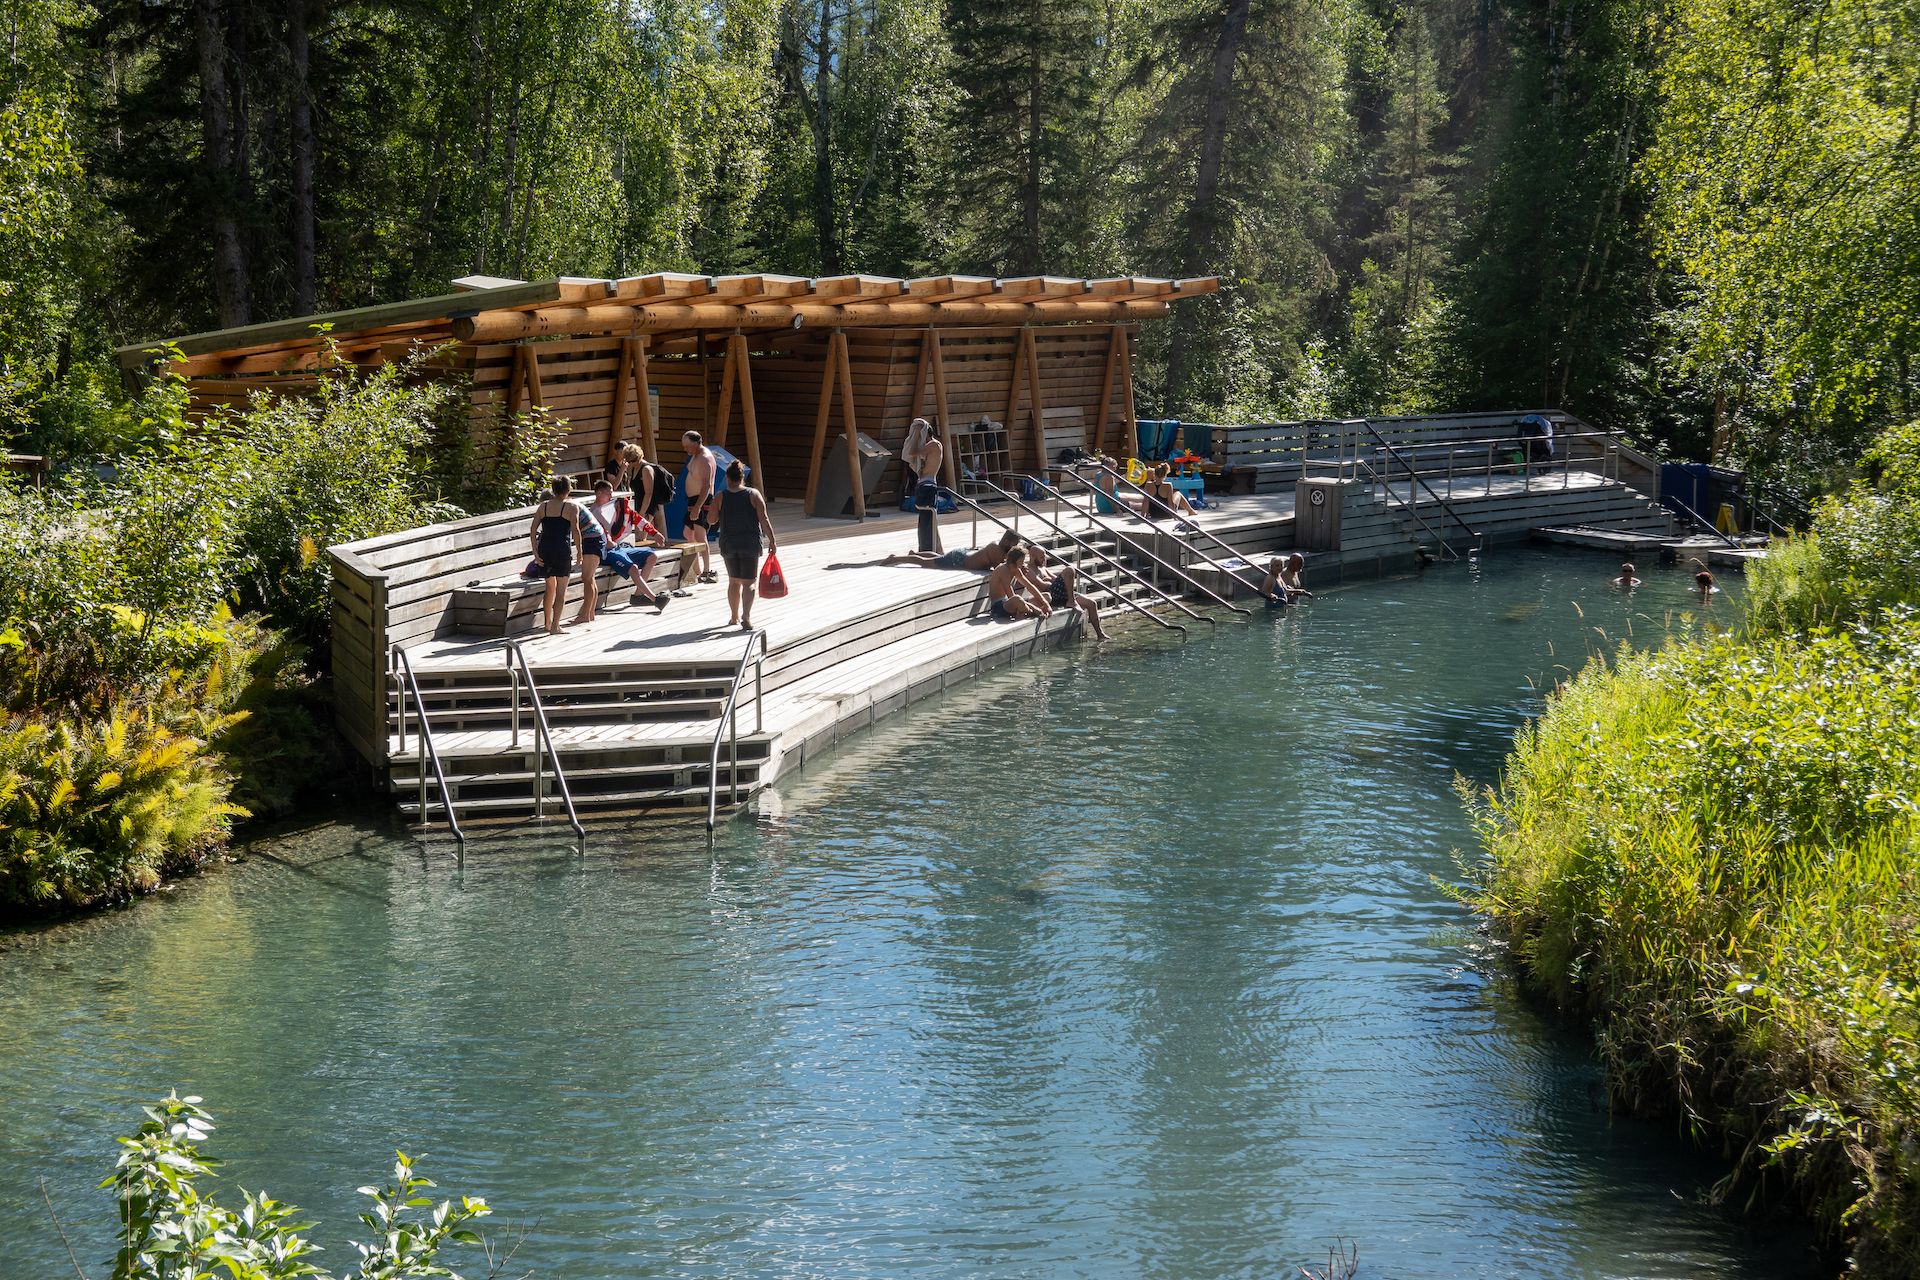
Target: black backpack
[{"x": 663, "y": 486}]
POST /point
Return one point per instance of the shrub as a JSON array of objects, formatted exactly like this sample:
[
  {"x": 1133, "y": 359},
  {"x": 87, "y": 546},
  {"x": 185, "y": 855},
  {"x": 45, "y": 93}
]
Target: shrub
[
  {"x": 1860, "y": 557},
  {"x": 171, "y": 1227},
  {"x": 1713, "y": 852}
]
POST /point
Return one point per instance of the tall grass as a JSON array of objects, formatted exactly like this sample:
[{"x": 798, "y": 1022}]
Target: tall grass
[{"x": 1713, "y": 853}]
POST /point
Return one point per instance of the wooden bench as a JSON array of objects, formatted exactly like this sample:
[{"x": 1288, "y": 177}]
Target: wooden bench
[{"x": 512, "y": 604}]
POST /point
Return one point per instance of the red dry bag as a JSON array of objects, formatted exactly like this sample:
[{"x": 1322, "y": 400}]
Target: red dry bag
[{"x": 773, "y": 583}]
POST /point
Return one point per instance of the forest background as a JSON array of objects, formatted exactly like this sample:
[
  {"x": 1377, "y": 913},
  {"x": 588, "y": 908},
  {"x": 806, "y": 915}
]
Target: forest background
[{"x": 1696, "y": 220}]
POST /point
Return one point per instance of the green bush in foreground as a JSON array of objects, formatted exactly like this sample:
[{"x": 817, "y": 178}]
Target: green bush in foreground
[
  {"x": 1713, "y": 852},
  {"x": 172, "y": 1229}
]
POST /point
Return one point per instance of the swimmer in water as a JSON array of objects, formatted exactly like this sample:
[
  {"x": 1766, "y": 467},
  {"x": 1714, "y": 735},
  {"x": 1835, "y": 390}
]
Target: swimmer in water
[
  {"x": 1703, "y": 583},
  {"x": 1626, "y": 578}
]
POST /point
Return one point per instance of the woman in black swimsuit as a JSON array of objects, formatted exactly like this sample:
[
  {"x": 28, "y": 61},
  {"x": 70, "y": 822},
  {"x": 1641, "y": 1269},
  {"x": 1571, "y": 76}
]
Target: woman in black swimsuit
[
  {"x": 743, "y": 519},
  {"x": 556, "y": 538}
]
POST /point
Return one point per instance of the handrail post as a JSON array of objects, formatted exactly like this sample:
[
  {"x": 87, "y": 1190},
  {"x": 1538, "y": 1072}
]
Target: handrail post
[
  {"x": 759, "y": 699},
  {"x": 513, "y": 680},
  {"x": 733, "y": 756},
  {"x": 421, "y": 768}
]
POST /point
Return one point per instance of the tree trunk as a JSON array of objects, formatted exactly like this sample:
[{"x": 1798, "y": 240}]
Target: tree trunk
[
  {"x": 1205, "y": 218},
  {"x": 216, "y": 146},
  {"x": 826, "y": 223},
  {"x": 302, "y": 142},
  {"x": 1027, "y": 254}
]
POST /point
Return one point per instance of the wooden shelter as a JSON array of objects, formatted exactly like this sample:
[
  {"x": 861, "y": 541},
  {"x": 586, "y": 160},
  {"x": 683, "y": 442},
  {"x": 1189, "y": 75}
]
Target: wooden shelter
[{"x": 767, "y": 366}]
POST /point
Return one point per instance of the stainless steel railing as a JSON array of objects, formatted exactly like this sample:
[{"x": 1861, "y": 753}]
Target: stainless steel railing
[
  {"x": 1102, "y": 556},
  {"x": 729, "y": 727},
  {"x": 543, "y": 748},
  {"x": 401, "y": 666}
]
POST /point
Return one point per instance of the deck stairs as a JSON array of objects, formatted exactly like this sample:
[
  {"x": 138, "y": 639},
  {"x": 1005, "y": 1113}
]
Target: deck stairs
[{"x": 637, "y": 734}]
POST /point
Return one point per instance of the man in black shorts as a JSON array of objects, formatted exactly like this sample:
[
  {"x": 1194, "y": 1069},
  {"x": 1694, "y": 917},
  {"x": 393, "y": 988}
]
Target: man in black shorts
[{"x": 703, "y": 503}]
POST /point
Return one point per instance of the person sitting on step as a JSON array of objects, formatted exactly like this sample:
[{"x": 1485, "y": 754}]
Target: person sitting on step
[
  {"x": 1011, "y": 593},
  {"x": 632, "y": 542},
  {"x": 1059, "y": 587}
]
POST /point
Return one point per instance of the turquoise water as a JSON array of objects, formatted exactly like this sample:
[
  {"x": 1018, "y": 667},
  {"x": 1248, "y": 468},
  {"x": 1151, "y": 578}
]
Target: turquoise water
[{"x": 1127, "y": 962}]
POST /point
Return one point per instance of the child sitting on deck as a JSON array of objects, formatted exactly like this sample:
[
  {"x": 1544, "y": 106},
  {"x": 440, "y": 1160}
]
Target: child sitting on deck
[{"x": 1059, "y": 585}]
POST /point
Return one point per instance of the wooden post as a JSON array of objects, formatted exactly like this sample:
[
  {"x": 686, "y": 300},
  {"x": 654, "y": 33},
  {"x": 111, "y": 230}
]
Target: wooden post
[
  {"x": 536, "y": 399},
  {"x": 516, "y": 377},
  {"x": 948, "y": 466},
  {"x": 851, "y": 427},
  {"x": 749, "y": 419},
  {"x": 1013, "y": 387},
  {"x": 617, "y": 401},
  {"x": 706, "y": 399},
  {"x": 723, "y": 418},
  {"x": 1128, "y": 423},
  {"x": 1097, "y": 430},
  {"x": 643, "y": 395},
  {"x": 1038, "y": 401},
  {"x": 820, "y": 418},
  {"x": 927, "y": 339}
]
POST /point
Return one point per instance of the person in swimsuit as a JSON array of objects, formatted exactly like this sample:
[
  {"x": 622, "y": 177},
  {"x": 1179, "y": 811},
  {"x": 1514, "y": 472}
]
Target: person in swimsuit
[
  {"x": 926, "y": 492},
  {"x": 986, "y": 557},
  {"x": 1011, "y": 594},
  {"x": 625, "y": 554},
  {"x": 703, "y": 504},
  {"x": 1160, "y": 485},
  {"x": 556, "y": 537},
  {"x": 1626, "y": 581},
  {"x": 1284, "y": 583},
  {"x": 1108, "y": 485},
  {"x": 742, "y": 523},
  {"x": 1703, "y": 583},
  {"x": 1058, "y": 585},
  {"x": 593, "y": 545}
]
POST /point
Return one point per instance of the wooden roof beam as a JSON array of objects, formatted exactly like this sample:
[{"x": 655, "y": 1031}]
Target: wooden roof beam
[
  {"x": 741, "y": 290},
  {"x": 1042, "y": 286},
  {"x": 948, "y": 288},
  {"x": 663, "y": 284},
  {"x": 507, "y": 326},
  {"x": 841, "y": 289}
]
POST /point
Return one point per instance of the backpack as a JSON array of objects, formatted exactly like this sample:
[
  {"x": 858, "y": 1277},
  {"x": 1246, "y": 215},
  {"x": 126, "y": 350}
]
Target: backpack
[{"x": 663, "y": 485}]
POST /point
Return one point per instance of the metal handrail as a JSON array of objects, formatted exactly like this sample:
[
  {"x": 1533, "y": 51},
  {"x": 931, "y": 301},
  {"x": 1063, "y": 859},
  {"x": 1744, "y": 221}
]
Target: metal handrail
[
  {"x": 1078, "y": 541},
  {"x": 1702, "y": 524},
  {"x": 542, "y": 737},
  {"x": 428, "y": 752},
  {"x": 1194, "y": 525},
  {"x": 1415, "y": 477},
  {"x": 1117, "y": 594},
  {"x": 1176, "y": 569},
  {"x": 730, "y": 717}
]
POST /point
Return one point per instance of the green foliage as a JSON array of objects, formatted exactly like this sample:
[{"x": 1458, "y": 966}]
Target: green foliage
[
  {"x": 100, "y": 807},
  {"x": 1860, "y": 558},
  {"x": 173, "y": 1229},
  {"x": 1714, "y": 852},
  {"x": 1782, "y": 171}
]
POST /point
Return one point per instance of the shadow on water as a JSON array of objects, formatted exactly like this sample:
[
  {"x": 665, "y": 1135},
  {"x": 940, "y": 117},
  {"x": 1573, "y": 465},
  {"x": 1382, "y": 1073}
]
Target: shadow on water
[{"x": 1124, "y": 961}]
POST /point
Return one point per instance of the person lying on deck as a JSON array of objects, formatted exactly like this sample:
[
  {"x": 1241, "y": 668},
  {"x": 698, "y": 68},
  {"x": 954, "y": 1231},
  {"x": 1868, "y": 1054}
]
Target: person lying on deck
[
  {"x": 1059, "y": 585},
  {"x": 986, "y": 557},
  {"x": 632, "y": 542},
  {"x": 1011, "y": 593}
]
